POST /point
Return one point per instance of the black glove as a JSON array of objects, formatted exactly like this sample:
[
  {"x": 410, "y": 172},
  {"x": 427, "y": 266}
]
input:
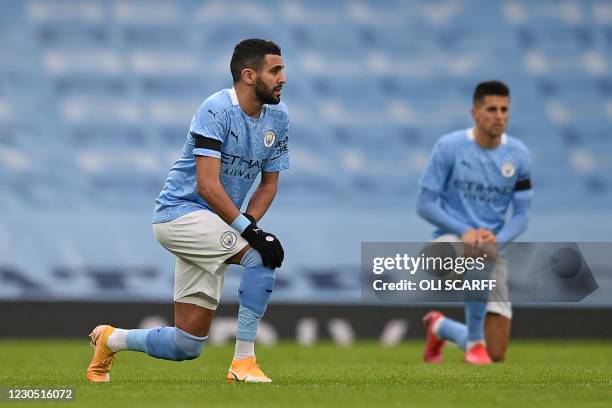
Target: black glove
[{"x": 268, "y": 246}]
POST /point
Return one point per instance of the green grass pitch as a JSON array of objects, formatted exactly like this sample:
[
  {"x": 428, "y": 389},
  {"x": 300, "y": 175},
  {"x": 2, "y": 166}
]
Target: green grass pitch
[{"x": 541, "y": 374}]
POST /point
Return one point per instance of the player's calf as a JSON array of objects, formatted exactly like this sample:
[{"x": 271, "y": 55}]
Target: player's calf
[
  {"x": 172, "y": 343},
  {"x": 256, "y": 284}
]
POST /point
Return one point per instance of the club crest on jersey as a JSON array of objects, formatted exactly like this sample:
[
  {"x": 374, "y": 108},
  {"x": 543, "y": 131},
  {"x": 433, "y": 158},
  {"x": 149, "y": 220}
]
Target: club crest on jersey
[
  {"x": 269, "y": 138},
  {"x": 228, "y": 239},
  {"x": 507, "y": 169}
]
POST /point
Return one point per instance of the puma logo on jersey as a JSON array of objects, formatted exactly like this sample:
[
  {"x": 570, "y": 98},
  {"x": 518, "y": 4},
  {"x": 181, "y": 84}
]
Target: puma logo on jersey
[
  {"x": 212, "y": 113},
  {"x": 235, "y": 135}
]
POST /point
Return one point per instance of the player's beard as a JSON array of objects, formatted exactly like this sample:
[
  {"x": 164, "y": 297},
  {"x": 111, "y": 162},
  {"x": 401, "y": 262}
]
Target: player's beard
[
  {"x": 494, "y": 133},
  {"x": 264, "y": 94}
]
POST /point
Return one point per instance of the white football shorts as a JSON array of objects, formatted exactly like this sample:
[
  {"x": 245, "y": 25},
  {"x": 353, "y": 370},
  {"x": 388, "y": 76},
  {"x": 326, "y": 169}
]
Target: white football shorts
[{"x": 201, "y": 242}]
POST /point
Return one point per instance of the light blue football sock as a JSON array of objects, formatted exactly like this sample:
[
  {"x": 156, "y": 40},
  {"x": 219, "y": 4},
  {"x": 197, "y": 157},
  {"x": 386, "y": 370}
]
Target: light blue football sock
[
  {"x": 248, "y": 322},
  {"x": 168, "y": 343},
  {"x": 475, "y": 313},
  {"x": 453, "y": 331},
  {"x": 476, "y": 307},
  {"x": 256, "y": 286},
  {"x": 136, "y": 339}
]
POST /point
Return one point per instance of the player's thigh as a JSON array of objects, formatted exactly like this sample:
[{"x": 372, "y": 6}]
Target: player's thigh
[
  {"x": 200, "y": 237},
  {"x": 497, "y": 335}
]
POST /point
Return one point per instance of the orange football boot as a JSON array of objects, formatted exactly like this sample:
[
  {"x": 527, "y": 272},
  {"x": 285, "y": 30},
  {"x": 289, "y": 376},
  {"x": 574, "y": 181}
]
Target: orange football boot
[
  {"x": 246, "y": 370},
  {"x": 99, "y": 368}
]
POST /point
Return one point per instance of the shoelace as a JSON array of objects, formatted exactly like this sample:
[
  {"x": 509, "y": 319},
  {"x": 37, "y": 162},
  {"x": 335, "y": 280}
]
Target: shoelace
[{"x": 107, "y": 362}]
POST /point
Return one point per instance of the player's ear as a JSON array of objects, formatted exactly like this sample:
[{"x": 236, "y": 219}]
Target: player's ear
[
  {"x": 474, "y": 111},
  {"x": 248, "y": 76}
]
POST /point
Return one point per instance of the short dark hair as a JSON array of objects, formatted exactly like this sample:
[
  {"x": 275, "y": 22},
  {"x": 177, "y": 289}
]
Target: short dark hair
[
  {"x": 486, "y": 88},
  {"x": 250, "y": 53}
]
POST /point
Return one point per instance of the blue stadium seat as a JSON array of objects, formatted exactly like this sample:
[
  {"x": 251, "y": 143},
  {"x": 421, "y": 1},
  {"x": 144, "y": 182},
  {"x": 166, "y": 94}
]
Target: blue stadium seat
[{"x": 374, "y": 92}]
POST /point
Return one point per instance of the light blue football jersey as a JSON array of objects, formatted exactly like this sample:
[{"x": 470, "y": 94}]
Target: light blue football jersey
[
  {"x": 248, "y": 147},
  {"x": 476, "y": 185}
]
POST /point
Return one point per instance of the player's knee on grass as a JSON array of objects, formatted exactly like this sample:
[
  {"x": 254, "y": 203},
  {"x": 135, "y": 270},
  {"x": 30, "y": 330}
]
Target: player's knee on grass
[
  {"x": 257, "y": 283},
  {"x": 172, "y": 343},
  {"x": 191, "y": 346},
  {"x": 497, "y": 333},
  {"x": 496, "y": 352}
]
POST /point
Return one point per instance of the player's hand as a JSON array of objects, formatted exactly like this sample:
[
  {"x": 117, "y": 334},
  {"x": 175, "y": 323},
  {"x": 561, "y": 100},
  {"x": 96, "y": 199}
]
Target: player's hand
[
  {"x": 487, "y": 243},
  {"x": 470, "y": 242},
  {"x": 268, "y": 246},
  {"x": 486, "y": 236},
  {"x": 470, "y": 236}
]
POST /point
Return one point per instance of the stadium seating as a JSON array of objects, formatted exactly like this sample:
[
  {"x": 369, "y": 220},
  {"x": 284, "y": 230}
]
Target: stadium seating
[
  {"x": 96, "y": 96},
  {"x": 83, "y": 79}
]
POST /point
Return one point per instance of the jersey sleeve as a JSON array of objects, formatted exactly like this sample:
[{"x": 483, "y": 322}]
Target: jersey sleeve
[
  {"x": 438, "y": 168},
  {"x": 279, "y": 159},
  {"x": 208, "y": 130},
  {"x": 522, "y": 188}
]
